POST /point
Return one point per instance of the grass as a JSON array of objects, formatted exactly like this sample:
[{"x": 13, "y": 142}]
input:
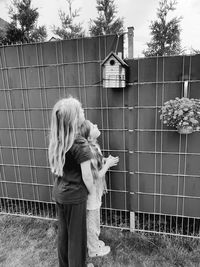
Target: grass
[{"x": 28, "y": 242}]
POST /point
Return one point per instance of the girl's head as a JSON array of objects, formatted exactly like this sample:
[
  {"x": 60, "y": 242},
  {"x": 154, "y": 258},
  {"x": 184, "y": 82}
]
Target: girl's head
[
  {"x": 89, "y": 130},
  {"x": 67, "y": 116}
]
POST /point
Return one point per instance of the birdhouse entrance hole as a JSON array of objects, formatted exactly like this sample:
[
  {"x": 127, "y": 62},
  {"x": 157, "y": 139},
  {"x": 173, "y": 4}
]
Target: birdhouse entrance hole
[{"x": 112, "y": 62}]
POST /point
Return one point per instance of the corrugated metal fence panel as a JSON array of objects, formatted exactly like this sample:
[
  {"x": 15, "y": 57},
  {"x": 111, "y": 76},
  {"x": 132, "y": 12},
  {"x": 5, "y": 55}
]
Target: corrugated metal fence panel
[{"x": 166, "y": 164}]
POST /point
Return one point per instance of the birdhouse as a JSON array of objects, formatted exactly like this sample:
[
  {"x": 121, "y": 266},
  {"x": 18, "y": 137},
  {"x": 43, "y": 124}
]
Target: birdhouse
[{"x": 114, "y": 71}]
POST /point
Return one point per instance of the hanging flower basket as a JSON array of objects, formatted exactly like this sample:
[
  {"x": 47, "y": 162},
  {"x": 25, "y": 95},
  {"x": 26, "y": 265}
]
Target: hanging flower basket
[
  {"x": 182, "y": 114},
  {"x": 185, "y": 129}
]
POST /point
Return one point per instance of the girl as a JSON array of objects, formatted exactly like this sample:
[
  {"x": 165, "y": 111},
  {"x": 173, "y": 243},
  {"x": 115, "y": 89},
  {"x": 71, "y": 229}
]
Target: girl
[
  {"x": 99, "y": 168},
  {"x": 69, "y": 157}
]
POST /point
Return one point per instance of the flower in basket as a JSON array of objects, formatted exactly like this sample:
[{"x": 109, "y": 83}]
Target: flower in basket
[{"x": 181, "y": 113}]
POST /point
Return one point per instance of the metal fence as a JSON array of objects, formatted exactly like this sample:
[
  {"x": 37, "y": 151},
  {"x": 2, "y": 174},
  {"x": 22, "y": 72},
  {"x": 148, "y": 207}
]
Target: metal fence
[
  {"x": 165, "y": 182},
  {"x": 32, "y": 78},
  {"x": 155, "y": 188}
]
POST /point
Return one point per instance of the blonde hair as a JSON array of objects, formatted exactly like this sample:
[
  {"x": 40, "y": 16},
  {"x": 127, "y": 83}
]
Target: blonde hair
[
  {"x": 96, "y": 162},
  {"x": 64, "y": 126},
  {"x": 85, "y": 129}
]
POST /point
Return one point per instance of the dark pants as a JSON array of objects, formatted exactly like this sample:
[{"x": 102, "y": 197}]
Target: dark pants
[{"x": 72, "y": 235}]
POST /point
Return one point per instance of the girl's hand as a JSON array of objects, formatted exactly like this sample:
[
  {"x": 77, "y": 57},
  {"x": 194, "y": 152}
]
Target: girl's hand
[{"x": 112, "y": 161}]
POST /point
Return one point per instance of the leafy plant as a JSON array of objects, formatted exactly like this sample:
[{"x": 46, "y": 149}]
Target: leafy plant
[
  {"x": 106, "y": 21},
  {"x": 23, "y": 26},
  {"x": 181, "y": 112},
  {"x": 69, "y": 28},
  {"x": 165, "y": 32}
]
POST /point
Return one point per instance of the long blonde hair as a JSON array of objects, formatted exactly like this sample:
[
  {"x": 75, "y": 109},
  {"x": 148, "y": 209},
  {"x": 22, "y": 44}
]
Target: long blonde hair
[
  {"x": 96, "y": 162},
  {"x": 64, "y": 126}
]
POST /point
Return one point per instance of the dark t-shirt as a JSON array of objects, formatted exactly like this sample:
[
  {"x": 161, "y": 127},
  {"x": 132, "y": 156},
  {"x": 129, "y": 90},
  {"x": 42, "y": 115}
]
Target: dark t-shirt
[{"x": 70, "y": 188}]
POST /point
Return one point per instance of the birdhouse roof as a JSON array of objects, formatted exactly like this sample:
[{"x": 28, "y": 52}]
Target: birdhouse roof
[{"x": 117, "y": 58}]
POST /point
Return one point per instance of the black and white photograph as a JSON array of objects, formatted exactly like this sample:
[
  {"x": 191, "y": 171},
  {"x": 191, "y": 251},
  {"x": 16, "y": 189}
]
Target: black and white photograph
[{"x": 99, "y": 133}]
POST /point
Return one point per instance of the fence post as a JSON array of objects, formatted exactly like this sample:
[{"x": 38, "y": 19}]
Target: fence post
[
  {"x": 130, "y": 42},
  {"x": 131, "y": 126},
  {"x": 132, "y": 221}
]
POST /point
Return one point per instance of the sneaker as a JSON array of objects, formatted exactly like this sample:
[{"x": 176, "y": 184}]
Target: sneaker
[
  {"x": 90, "y": 265},
  {"x": 101, "y": 252}
]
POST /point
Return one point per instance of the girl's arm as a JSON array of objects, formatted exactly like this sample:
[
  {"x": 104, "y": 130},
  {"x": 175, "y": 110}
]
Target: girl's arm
[
  {"x": 103, "y": 171},
  {"x": 109, "y": 162},
  {"x": 87, "y": 175}
]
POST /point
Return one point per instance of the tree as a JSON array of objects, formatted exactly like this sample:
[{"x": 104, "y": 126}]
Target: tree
[
  {"x": 69, "y": 28},
  {"x": 23, "y": 23},
  {"x": 165, "y": 33},
  {"x": 106, "y": 22}
]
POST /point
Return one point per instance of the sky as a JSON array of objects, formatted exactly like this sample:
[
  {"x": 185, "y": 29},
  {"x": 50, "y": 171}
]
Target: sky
[{"x": 136, "y": 13}]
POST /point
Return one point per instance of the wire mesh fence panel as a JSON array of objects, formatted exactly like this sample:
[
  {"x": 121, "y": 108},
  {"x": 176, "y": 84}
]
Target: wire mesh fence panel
[
  {"x": 32, "y": 78},
  {"x": 165, "y": 183},
  {"x": 155, "y": 188}
]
